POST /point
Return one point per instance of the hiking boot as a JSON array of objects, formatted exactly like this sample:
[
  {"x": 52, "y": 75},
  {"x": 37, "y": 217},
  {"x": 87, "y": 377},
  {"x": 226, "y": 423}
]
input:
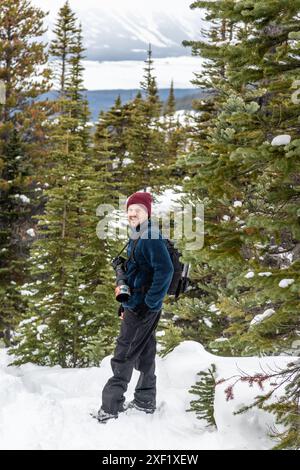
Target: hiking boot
[
  {"x": 147, "y": 407},
  {"x": 122, "y": 408},
  {"x": 103, "y": 417}
]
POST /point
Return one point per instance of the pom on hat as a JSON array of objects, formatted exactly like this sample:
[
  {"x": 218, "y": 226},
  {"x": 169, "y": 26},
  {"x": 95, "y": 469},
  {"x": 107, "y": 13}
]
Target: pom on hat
[{"x": 140, "y": 198}]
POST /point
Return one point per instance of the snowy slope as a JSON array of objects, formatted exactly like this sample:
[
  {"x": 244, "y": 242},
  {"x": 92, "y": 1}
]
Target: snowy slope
[
  {"x": 48, "y": 408},
  {"x": 119, "y": 30}
]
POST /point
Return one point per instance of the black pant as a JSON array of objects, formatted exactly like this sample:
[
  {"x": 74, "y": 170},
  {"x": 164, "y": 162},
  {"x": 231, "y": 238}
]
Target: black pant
[{"x": 136, "y": 348}]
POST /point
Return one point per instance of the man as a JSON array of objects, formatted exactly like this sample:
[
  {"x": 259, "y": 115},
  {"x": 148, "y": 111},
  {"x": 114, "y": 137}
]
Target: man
[{"x": 149, "y": 274}]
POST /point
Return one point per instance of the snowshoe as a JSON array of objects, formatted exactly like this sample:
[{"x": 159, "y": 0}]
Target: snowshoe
[
  {"x": 102, "y": 416},
  {"x": 148, "y": 408}
]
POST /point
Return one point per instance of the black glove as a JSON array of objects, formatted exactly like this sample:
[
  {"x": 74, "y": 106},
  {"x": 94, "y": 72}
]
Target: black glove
[{"x": 120, "y": 310}]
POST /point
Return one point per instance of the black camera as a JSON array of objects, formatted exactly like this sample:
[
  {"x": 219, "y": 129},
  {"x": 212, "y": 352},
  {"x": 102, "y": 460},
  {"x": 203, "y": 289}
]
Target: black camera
[{"x": 122, "y": 290}]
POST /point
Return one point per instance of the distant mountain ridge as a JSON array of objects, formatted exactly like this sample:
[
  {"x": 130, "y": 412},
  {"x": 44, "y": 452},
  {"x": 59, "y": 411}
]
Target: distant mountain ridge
[
  {"x": 104, "y": 99},
  {"x": 122, "y": 30}
]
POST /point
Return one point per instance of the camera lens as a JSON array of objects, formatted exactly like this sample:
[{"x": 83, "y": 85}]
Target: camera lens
[{"x": 122, "y": 293}]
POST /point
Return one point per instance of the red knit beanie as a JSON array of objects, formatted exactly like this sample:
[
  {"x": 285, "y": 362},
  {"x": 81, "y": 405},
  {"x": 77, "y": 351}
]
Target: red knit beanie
[{"x": 140, "y": 198}]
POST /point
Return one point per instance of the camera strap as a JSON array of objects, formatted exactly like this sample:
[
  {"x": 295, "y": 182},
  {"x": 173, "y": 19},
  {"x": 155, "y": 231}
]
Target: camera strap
[
  {"x": 134, "y": 245},
  {"x": 123, "y": 248},
  {"x": 135, "y": 241}
]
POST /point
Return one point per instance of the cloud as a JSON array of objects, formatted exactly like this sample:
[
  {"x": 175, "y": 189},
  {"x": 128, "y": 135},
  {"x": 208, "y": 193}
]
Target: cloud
[
  {"x": 127, "y": 27},
  {"x": 127, "y": 74}
]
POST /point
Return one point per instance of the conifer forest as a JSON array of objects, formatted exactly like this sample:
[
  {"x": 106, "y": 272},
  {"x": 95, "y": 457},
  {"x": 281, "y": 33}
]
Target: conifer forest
[{"x": 237, "y": 153}]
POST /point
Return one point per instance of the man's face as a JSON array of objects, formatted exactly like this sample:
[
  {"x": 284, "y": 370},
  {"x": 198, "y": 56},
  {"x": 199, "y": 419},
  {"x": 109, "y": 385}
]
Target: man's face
[{"x": 136, "y": 214}]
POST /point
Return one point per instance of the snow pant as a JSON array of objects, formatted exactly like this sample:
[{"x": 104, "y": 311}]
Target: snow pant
[{"x": 135, "y": 348}]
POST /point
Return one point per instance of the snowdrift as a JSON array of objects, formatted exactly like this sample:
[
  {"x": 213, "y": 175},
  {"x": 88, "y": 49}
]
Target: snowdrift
[{"x": 48, "y": 407}]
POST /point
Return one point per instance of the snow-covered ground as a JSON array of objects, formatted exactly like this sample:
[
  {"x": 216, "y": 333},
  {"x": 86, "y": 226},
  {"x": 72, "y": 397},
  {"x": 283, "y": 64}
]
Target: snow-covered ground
[{"x": 48, "y": 407}]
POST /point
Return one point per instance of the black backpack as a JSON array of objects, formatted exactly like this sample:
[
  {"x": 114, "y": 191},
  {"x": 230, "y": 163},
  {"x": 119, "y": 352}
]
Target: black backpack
[{"x": 180, "y": 280}]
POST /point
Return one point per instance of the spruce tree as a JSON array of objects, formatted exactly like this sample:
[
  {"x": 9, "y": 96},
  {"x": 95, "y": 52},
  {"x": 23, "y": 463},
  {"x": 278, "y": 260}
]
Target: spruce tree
[
  {"x": 176, "y": 136},
  {"x": 71, "y": 319},
  {"x": 110, "y": 135},
  {"x": 196, "y": 313},
  {"x": 247, "y": 176},
  {"x": 74, "y": 91},
  {"x": 247, "y": 184},
  {"x": 62, "y": 46},
  {"x": 204, "y": 388},
  {"x": 145, "y": 139},
  {"x": 170, "y": 105},
  {"x": 149, "y": 86},
  {"x": 23, "y": 145},
  {"x": 266, "y": 322}
]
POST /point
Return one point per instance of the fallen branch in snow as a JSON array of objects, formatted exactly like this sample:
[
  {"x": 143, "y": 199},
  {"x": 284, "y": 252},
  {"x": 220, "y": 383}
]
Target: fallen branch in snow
[{"x": 286, "y": 407}]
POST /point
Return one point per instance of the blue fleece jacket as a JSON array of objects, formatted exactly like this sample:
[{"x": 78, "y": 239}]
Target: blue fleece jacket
[{"x": 153, "y": 267}]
